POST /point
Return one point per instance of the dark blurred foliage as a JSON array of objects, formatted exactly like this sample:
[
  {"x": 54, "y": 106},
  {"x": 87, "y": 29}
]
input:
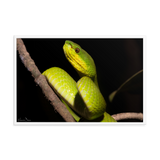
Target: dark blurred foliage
[{"x": 116, "y": 60}]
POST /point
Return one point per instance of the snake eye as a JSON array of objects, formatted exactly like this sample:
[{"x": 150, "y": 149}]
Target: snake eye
[{"x": 77, "y": 50}]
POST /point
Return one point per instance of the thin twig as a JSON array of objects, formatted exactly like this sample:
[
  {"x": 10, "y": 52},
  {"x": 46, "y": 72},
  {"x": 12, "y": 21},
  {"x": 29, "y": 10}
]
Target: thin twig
[
  {"x": 42, "y": 82},
  {"x": 128, "y": 115}
]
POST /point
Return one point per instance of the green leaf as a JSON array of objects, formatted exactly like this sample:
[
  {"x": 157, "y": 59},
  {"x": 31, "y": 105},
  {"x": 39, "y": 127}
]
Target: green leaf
[{"x": 133, "y": 85}]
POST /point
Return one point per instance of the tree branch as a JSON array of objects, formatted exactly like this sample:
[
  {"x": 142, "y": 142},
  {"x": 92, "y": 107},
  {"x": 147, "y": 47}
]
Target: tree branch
[
  {"x": 42, "y": 82},
  {"x": 129, "y": 115}
]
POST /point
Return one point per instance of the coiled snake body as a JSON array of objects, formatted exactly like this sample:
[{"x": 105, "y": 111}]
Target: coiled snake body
[{"x": 84, "y": 97}]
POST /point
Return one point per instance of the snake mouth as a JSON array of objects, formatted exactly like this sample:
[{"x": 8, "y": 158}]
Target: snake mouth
[{"x": 66, "y": 48}]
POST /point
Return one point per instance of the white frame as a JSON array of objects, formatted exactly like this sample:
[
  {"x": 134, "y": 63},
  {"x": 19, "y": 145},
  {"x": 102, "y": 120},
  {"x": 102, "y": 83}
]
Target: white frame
[{"x": 81, "y": 35}]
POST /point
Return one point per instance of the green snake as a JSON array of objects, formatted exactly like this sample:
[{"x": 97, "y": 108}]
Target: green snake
[{"x": 83, "y": 99}]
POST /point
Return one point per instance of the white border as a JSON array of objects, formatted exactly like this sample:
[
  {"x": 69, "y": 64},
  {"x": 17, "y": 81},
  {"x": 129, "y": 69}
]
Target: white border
[
  {"x": 79, "y": 35},
  {"x": 15, "y": 81},
  {"x": 144, "y": 79},
  {"x": 148, "y": 80},
  {"x": 73, "y": 123}
]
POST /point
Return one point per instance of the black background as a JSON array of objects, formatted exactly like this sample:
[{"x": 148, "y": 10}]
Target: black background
[{"x": 116, "y": 60}]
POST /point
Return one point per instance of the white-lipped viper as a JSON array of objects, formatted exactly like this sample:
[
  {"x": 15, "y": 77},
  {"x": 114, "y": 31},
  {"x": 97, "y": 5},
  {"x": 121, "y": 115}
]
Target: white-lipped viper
[{"x": 82, "y": 99}]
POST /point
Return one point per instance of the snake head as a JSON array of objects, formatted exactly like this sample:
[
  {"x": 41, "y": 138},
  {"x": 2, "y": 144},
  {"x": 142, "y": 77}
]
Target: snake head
[{"x": 80, "y": 59}]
